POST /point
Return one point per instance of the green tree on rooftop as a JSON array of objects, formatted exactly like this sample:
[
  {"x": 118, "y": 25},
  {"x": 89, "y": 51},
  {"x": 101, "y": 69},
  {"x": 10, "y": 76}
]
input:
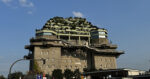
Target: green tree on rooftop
[{"x": 72, "y": 22}]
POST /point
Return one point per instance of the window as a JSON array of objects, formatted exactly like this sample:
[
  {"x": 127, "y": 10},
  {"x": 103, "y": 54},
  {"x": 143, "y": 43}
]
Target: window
[
  {"x": 75, "y": 55},
  {"x": 53, "y": 66},
  {"x": 65, "y": 61},
  {"x": 70, "y": 67},
  {"x": 112, "y": 65},
  {"x": 106, "y": 60},
  {"x": 101, "y": 32},
  {"x": 66, "y": 67},
  {"x": 53, "y": 60},
  {"x": 49, "y": 66},
  {"x": 69, "y": 61},
  {"x": 101, "y": 59},
  {"x": 76, "y": 67},
  {"x": 105, "y": 66},
  {"x": 101, "y": 65},
  {"x": 41, "y": 53}
]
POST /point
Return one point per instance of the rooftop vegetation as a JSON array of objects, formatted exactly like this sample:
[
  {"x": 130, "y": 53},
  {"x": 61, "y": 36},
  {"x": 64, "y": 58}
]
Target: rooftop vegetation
[{"x": 71, "y": 22}]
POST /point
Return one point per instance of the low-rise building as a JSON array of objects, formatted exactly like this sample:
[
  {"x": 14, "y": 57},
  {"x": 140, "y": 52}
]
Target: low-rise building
[{"x": 122, "y": 73}]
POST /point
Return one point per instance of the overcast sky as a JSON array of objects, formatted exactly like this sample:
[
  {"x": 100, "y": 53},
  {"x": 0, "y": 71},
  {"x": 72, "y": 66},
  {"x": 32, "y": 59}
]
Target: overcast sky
[{"x": 127, "y": 22}]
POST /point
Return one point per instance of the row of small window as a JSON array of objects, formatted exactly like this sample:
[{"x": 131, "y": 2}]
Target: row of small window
[
  {"x": 106, "y": 65},
  {"x": 67, "y": 67},
  {"x": 75, "y": 55},
  {"x": 76, "y": 67},
  {"x": 70, "y": 61},
  {"x": 101, "y": 59},
  {"x": 46, "y": 53},
  {"x": 65, "y": 61}
]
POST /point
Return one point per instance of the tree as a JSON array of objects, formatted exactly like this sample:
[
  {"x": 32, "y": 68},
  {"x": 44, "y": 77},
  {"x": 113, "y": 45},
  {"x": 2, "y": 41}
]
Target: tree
[
  {"x": 68, "y": 74},
  {"x": 16, "y": 75},
  {"x": 57, "y": 74},
  {"x": 77, "y": 74},
  {"x": 2, "y": 77},
  {"x": 36, "y": 68}
]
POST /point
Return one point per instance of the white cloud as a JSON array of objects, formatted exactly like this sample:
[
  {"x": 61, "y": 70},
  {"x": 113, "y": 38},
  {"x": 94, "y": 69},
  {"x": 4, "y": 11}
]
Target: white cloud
[
  {"x": 29, "y": 12},
  {"x": 6, "y": 1},
  {"x": 25, "y": 3},
  {"x": 77, "y": 14},
  {"x": 22, "y": 3}
]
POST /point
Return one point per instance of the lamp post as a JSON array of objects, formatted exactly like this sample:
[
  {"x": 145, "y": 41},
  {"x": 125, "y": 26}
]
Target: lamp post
[{"x": 25, "y": 58}]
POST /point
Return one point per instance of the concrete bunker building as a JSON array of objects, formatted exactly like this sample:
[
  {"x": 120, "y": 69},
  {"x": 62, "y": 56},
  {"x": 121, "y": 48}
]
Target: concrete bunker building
[{"x": 72, "y": 43}]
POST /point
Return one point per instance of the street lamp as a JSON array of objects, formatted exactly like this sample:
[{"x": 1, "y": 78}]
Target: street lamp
[{"x": 25, "y": 58}]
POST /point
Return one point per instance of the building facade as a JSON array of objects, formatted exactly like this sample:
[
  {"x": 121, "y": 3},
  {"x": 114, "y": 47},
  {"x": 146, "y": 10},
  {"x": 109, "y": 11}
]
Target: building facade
[{"x": 72, "y": 43}]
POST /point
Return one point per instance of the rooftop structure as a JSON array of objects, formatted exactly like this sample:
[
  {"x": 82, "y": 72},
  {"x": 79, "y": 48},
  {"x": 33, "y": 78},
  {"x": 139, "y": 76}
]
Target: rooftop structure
[{"x": 72, "y": 29}]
